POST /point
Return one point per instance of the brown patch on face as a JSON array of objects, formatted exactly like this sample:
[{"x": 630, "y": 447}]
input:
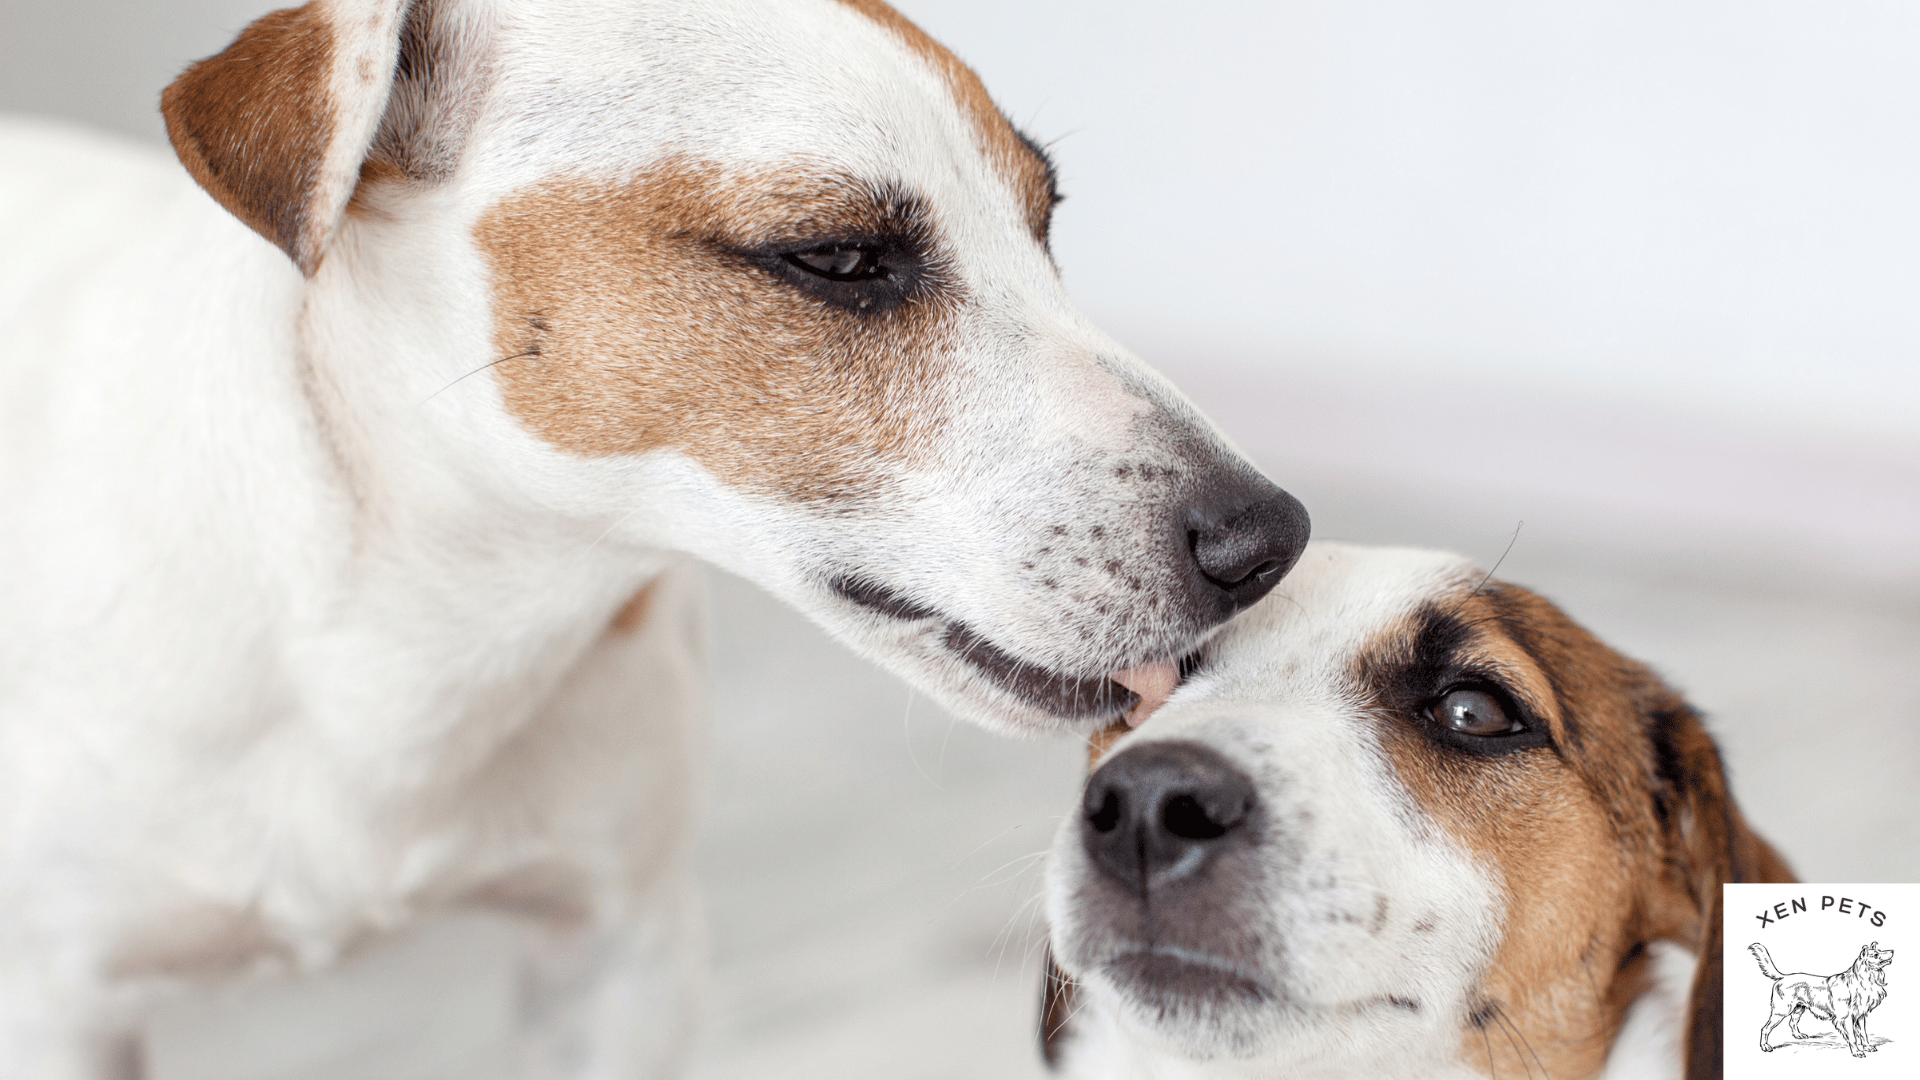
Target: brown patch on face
[
  {"x": 252, "y": 125},
  {"x": 1585, "y": 829},
  {"x": 1017, "y": 158},
  {"x": 648, "y": 314}
]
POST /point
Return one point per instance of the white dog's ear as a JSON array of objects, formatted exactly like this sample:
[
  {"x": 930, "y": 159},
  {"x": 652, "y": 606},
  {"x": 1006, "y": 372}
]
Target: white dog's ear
[{"x": 280, "y": 126}]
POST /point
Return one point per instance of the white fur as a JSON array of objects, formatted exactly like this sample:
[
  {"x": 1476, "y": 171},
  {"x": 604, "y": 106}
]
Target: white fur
[
  {"x": 305, "y": 634},
  {"x": 1652, "y": 1039}
]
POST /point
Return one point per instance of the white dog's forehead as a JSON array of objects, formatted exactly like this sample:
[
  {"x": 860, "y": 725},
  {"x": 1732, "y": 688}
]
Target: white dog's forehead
[{"x": 612, "y": 88}]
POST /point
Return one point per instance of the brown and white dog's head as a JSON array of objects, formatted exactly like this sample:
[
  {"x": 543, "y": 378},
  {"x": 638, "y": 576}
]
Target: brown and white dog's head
[
  {"x": 763, "y": 280},
  {"x": 1401, "y": 820}
]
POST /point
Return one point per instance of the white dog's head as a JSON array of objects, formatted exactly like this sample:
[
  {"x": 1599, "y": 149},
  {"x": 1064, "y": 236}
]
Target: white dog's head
[
  {"x": 763, "y": 281},
  {"x": 1400, "y": 821}
]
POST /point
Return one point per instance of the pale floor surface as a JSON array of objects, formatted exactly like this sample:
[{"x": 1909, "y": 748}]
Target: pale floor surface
[{"x": 871, "y": 867}]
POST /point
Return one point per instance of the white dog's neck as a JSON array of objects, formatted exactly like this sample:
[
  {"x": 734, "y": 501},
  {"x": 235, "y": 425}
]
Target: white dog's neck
[{"x": 485, "y": 596}]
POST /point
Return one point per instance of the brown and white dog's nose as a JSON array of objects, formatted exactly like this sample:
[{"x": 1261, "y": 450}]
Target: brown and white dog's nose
[
  {"x": 1154, "y": 815},
  {"x": 1245, "y": 534}
]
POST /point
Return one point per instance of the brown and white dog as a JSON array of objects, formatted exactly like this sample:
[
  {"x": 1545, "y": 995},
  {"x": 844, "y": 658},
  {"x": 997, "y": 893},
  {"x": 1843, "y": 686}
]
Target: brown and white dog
[
  {"x": 347, "y": 479},
  {"x": 1843, "y": 1000},
  {"x": 1401, "y": 820}
]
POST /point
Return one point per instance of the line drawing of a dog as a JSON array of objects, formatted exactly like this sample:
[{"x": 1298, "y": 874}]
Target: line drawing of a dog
[{"x": 1844, "y": 1000}]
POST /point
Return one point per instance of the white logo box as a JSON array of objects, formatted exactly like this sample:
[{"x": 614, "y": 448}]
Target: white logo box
[{"x": 1829, "y": 943}]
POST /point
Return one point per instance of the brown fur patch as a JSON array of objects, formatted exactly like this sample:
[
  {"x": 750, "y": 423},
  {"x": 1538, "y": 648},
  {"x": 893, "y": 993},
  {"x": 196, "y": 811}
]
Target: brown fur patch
[
  {"x": 252, "y": 125},
  {"x": 629, "y": 318},
  {"x": 1016, "y": 158},
  {"x": 1589, "y": 835}
]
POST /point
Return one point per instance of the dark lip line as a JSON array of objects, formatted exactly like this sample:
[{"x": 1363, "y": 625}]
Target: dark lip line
[
  {"x": 1228, "y": 972},
  {"x": 1058, "y": 694},
  {"x": 1235, "y": 973}
]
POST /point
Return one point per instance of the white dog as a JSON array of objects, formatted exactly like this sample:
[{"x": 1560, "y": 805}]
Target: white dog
[
  {"x": 1400, "y": 821},
  {"x": 342, "y": 509}
]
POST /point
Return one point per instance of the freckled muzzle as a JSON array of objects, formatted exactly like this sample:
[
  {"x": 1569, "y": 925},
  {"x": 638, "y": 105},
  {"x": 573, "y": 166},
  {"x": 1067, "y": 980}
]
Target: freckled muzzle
[{"x": 1213, "y": 549}]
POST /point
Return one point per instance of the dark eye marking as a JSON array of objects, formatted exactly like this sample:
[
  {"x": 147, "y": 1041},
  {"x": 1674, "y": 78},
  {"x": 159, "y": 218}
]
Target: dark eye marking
[
  {"x": 864, "y": 247},
  {"x": 868, "y": 275},
  {"x": 841, "y": 262},
  {"x": 1432, "y": 684},
  {"x": 1480, "y": 717}
]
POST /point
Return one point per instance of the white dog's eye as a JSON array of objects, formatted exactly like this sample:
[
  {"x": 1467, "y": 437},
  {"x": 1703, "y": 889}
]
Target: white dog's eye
[
  {"x": 1474, "y": 712},
  {"x": 838, "y": 263}
]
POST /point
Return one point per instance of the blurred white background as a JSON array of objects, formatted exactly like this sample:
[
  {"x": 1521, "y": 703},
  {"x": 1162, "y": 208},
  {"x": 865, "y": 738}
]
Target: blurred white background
[{"x": 1643, "y": 275}]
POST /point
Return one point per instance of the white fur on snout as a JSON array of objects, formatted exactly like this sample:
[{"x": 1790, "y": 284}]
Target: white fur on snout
[{"x": 1363, "y": 901}]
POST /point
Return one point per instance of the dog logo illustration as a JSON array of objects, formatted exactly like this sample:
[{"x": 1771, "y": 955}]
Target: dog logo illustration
[{"x": 1843, "y": 1000}]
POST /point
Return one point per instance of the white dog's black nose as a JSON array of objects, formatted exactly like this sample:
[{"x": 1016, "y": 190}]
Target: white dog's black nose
[
  {"x": 1156, "y": 814},
  {"x": 1245, "y": 534}
]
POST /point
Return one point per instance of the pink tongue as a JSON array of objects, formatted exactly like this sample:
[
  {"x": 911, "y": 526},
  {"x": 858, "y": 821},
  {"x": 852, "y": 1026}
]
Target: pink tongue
[{"x": 1153, "y": 682}]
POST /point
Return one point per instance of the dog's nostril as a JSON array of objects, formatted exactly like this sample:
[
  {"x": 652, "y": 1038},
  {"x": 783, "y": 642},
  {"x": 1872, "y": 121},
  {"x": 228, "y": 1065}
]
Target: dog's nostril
[
  {"x": 1260, "y": 572},
  {"x": 1107, "y": 817},
  {"x": 1185, "y": 818}
]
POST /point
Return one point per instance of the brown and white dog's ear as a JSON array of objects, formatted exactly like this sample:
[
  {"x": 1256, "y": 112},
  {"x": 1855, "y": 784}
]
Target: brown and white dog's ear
[
  {"x": 280, "y": 126},
  {"x": 1709, "y": 844}
]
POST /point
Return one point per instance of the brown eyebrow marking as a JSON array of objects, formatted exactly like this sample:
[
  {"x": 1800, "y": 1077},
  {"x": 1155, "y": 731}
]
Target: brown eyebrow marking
[
  {"x": 1471, "y": 637},
  {"x": 1021, "y": 160}
]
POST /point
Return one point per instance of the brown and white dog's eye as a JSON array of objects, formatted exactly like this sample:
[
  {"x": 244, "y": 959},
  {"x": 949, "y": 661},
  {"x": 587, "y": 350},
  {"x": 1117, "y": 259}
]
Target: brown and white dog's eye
[
  {"x": 1474, "y": 712},
  {"x": 837, "y": 263},
  {"x": 869, "y": 275}
]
